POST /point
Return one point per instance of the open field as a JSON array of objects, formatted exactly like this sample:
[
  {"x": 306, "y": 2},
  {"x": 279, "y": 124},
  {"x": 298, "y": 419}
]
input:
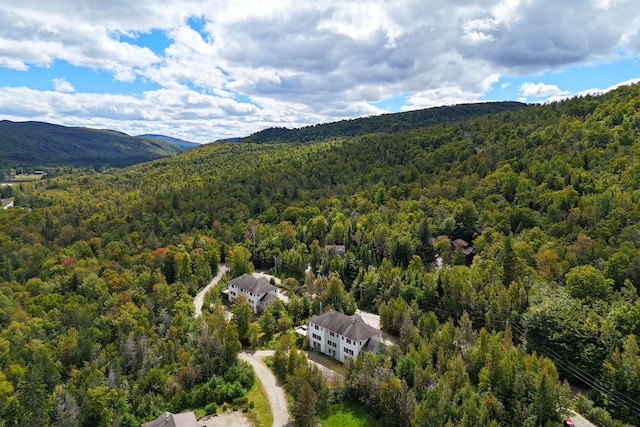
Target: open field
[
  {"x": 22, "y": 178},
  {"x": 347, "y": 414}
]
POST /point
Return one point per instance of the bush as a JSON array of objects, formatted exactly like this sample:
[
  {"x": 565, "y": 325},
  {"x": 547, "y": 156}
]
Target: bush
[
  {"x": 211, "y": 408},
  {"x": 242, "y": 373},
  {"x": 582, "y": 404},
  {"x": 239, "y": 401}
]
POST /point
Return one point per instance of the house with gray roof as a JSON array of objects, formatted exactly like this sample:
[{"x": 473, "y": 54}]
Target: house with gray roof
[
  {"x": 167, "y": 419},
  {"x": 342, "y": 337},
  {"x": 260, "y": 293}
]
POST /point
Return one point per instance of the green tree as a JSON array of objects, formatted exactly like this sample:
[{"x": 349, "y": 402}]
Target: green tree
[
  {"x": 617, "y": 268},
  {"x": 304, "y": 406},
  {"x": 588, "y": 283},
  {"x": 398, "y": 402},
  {"x": 241, "y": 314},
  {"x": 98, "y": 407},
  {"x": 425, "y": 247},
  {"x": 508, "y": 262},
  {"x": 240, "y": 261}
]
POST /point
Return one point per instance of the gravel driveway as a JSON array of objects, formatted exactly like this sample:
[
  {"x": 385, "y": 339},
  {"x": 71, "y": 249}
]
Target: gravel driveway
[
  {"x": 199, "y": 299},
  {"x": 274, "y": 392}
]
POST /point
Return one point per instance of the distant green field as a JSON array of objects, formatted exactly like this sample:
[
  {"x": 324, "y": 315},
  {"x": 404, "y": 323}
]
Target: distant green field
[
  {"x": 23, "y": 178},
  {"x": 347, "y": 414}
]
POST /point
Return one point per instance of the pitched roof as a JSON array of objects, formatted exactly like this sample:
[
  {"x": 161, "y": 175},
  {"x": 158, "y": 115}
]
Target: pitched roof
[
  {"x": 462, "y": 245},
  {"x": 255, "y": 285},
  {"x": 167, "y": 419},
  {"x": 338, "y": 248},
  {"x": 348, "y": 326},
  {"x": 373, "y": 344}
]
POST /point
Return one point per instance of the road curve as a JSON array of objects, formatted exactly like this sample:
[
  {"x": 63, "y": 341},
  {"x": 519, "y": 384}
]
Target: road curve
[
  {"x": 274, "y": 392},
  {"x": 198, "y": 300},
  {"x": 580, "y": 421}
]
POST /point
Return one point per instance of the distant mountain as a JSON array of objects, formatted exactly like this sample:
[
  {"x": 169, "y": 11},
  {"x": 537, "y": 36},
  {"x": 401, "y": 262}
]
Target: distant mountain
[
  {"x": 38, "y": 144},
  {"x": 385, "y": 123},
  {"x": 180, "y": 143}
]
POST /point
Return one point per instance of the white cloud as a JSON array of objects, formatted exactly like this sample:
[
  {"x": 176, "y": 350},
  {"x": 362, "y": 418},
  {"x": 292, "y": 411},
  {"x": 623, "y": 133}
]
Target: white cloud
[
  {"x": 62, "y": 85},
  {"x": 199, "y": 117},
  {"x": 592, "y": 91},
  {"x": 296, "y": 62},
  {"x": 540, "y": 90}
]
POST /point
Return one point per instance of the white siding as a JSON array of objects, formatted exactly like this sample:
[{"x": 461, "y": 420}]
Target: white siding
[{"x": 253, "y": 299}]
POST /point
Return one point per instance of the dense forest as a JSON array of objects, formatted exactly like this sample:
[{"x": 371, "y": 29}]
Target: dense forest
[
  {"x": 98, "y": 271},
  {"x": 41, "y": 145},
  {"x": 387, "y": 123}
]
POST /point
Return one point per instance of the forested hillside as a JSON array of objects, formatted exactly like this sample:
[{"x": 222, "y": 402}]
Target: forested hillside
[
  {"x": 98, "y": 270},
  {"x": 180, "y": 143},
  {"x": 40, "y": 145},
  {"x": 387, "y": 123}
]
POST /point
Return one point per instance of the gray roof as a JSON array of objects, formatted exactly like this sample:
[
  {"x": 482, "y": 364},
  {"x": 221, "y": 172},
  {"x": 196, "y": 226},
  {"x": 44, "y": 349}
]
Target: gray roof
[
  {"x": 167, "y": 419},
  {"x": 348, "y": 326},
  {"x": 255, "y": 285}
]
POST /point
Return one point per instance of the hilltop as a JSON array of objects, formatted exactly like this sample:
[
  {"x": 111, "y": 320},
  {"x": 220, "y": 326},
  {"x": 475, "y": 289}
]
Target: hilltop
[
  {"x": 180, "y": 143},
  {"x": 38, "y": 144},
  {"x": 387, "y": 123}
]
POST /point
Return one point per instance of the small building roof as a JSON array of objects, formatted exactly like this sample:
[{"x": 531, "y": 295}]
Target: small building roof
[
  {"x": 255, "y": 285},
  {"x": 339, "y": 249},
  {"x": 348, "y": 326},
  {"x": 373, "y": 344},
  {"x": 167, "y": 419},
  {"x": 463, "y": 246}
]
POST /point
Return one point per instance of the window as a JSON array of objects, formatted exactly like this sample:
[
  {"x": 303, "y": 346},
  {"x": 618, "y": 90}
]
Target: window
[
  {"x": 316, "y": 327},
  {"x": 332, "y": 334},
  {"x": 348, "y": 340},
  {"x": 316, "y": 337}
]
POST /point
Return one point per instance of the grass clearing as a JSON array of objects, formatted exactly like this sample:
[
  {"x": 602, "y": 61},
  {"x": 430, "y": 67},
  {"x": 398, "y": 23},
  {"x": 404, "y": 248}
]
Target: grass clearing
[
  {"x": 260, "y": 404},
  {"x": 347, "y": 414},
  {"x": 17, "y": 179}
]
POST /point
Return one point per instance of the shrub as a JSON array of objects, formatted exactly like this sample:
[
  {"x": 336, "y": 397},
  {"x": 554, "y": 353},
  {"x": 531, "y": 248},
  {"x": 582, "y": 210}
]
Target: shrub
[{"x": 211, "y": 408}]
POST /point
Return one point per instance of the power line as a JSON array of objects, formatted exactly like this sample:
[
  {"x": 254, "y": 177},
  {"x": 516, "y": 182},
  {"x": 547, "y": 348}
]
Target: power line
[{"x": 596, "y": 384}]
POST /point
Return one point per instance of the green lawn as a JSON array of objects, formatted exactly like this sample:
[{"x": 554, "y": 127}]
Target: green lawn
[
  {"x": 347, "y": 414},
  {"x": 261, "y": 403},
  {"x": 24, "y": 178}
]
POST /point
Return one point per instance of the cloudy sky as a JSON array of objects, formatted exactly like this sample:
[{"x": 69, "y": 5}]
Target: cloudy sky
[{"x": 202, "y": 70}]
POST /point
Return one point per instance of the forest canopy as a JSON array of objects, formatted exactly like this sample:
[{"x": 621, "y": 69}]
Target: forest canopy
[{"x": 98, "y": 270}]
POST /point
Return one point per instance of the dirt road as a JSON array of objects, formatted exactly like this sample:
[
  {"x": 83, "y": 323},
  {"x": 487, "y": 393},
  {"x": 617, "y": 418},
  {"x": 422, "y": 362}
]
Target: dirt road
[
  {"x": 580, "y": 421},
  {"x": 197, "y": 301},
  {"x": 274, "y": 392}
]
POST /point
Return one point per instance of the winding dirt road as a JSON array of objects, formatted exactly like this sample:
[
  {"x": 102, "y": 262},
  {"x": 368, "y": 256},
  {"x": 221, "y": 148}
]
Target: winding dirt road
[
  {"x": 198, "y": 300},
  {"x": 275, "y": 394}
]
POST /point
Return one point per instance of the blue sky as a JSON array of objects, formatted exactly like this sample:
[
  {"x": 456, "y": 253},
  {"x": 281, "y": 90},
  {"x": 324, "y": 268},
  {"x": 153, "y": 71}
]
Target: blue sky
[{"x": 207, "y": 70}]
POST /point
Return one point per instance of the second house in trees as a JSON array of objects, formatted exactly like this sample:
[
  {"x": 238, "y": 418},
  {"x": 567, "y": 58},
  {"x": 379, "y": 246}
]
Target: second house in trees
[{"x": 341, "y": 336}]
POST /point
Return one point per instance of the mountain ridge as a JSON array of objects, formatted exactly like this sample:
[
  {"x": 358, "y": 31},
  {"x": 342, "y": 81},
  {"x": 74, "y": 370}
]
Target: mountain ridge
[
  {"x": 41, "y": 144},
  {"x": 384, "y": 123},
  {"x": 180, "y": 143}
]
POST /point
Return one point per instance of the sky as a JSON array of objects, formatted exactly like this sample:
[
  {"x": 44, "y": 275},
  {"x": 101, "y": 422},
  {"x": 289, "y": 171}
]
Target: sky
[{"x": 203, "y": 70}]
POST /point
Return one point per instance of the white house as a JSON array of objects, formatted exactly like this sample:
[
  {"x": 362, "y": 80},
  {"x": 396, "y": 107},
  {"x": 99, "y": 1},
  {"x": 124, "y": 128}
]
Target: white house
[
  {"x": 258, "y": 290},
  {"x": 341, "y": 336}
]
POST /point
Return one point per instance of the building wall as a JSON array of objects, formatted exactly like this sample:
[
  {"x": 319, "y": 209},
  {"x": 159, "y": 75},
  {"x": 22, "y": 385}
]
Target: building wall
[
  {"x": 254, "y": 299},
  {"x": 336, "y": 346}
]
